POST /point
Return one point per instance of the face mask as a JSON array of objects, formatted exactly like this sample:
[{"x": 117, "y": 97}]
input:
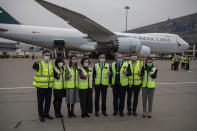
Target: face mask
[
  {"x": 134, "y": 58},
  {"x": 46, "y": 58},
  {"x": 86, "y": 64},
  {"x": 119, "y": 60},
  {"x": 60, "y": 64},
  {"x": 102, "y": 60},
  {"x": 74, "y": 61},
  {"x": 149, "y": 65}
]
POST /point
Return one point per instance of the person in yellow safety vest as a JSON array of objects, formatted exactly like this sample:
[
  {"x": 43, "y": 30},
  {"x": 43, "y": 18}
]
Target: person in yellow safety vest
[
  {"x": 72, "y": 84},
  {"x": 149, "y": 74},
  {"x": 119, "y": 82},
  {"x": 85, "y": 88},
  {"x": 187, "y": 63},
  {"x": 135, "y": 82},
  {"x": 43, "y": 81},
  {"x": 101, "y": 74},
  {"x": 26, "y": 54},
  {"x": 59, "y": 86},
  {"x": 173, "y": 63},
  {"x": 183, "y": 62}
]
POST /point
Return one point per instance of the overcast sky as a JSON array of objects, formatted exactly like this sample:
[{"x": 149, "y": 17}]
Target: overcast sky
[{"x": 108, "y": 13}]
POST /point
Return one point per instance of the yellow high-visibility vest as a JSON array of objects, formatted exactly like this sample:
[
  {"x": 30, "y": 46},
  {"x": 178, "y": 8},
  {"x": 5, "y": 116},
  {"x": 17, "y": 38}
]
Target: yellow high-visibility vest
[
  {"x": 43, "y": 78},
  {"x": 61, "y": 82},
  {"x": 148, "y": 81},
  {"x": 102, "y": 76},
  {"x": 124, "y": 81},
  {"x": 135, "y": 79},
  {"x": 74, "y": 80},
  {"x": 85, "y": 83}
]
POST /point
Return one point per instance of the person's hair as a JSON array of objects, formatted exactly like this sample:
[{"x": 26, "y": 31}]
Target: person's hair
[
  {"x": 102, "y": 54},
  {"x": 45, "y": 51},
  {"x": 70, "y": 60},
  {"x": 83, "y": 59},
  {"x": 57, "y": 61},
  {"x": 149, "y": 58},
  {"x": 132, "y": 52}
]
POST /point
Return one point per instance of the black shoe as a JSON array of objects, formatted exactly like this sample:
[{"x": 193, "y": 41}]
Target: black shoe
[
  {"x": 96, "y": 114},
  {"x": 115, "y": 114},
  {"x": 129, "y": 113},
  {"x": 83, "y": 116},
  {"x": 87, "y": 115},
  {"x": 48, "y": 117},
  {"x": 149, "y": 116},
  {"x": 69, "y": 115},
  {"x": 42, "y": 119},
  {"x": 134, "y": 113},
  {"x": 57, "y": 115},
  {"x": 105, "y": 114},
  {"x": 61, "y": 115},
  {"x": 121, "y": 114},
  {"x": 73, "y": 115}
]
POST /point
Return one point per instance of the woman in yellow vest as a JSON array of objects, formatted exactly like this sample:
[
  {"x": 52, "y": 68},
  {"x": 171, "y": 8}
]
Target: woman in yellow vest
[
  {"x": 59, "y": 86},
  {"x": 149, "y": 74},
  {"x": 72, "y": 91},
  {"x": 85, "y": 88}
]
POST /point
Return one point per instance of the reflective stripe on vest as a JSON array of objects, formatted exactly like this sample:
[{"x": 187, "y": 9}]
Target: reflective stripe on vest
[
  {"x": 123, "y": 78},
  {"x": 135, "y": 79},
  {"x": 59, "y": 83},
  {"x": 85, "y": 83},
  {"x": 43, "y": 78},
  {"x": 147, "y": 80},
  {"x": 102, "y": 76},
  {"x": 74, "y": 80}
]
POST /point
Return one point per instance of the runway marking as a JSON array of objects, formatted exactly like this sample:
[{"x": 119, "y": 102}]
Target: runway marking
[
  {"x": 171, "y": 83},
  {"x": 12, "y": 88},
  {"x": 159, "y": 83}
]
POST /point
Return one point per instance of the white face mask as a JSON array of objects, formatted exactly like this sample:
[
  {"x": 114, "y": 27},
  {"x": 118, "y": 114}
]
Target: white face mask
[
  {"x": 60, "y": 64},
  {"x": 134, "y": 58},
  {"x": 102, "y": 60},
  {"x": 47, "y": 58},
  {"x": 86, "y": 64}
]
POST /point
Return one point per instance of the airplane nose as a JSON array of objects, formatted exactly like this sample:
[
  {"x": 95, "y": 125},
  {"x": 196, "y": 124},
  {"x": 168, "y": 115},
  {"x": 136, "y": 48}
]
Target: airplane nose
[{"x": 186, "y": 45}]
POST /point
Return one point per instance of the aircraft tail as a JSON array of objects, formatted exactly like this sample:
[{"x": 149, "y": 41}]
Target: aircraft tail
[{"x": 6, "y": 18}]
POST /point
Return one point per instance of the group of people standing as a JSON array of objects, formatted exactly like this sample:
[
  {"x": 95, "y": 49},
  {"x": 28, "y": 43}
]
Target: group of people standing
[
  {"x": 77, "y": 84},
  {"x": 185, "y": 63}
]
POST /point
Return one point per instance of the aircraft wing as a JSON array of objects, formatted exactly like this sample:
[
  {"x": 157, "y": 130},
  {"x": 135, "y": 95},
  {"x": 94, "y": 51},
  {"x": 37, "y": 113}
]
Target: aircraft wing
[{"x": 87, "y": 26}]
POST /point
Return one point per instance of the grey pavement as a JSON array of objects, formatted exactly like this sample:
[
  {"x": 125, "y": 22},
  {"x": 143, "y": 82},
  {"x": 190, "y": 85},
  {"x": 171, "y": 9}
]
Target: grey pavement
[{"x": 175, "y": 103}]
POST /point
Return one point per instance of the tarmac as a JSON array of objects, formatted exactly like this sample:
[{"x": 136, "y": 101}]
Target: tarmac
[{"x": 175, "y": 103}]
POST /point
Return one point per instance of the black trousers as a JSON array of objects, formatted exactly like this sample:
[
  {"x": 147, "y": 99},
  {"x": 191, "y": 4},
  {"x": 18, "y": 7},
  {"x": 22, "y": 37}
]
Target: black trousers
[
  {"x": 57, "y": 103},
  {"x": 182, "y": 65},
  {"x": 44, "y": 100},
  {"x": 103, "y": 91},
  {"x": 176, "y": 66},
  {"x": 172, "y": 66},
  {"x": 187, "y": 66},
  {"x": 86, "y": 102},
  {"x": 119, "y": 97},
  {"x": 134, "y": 90}
]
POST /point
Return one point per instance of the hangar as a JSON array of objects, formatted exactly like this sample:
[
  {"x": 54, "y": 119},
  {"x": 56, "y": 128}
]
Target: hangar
[{"x": 185, "y": 27}]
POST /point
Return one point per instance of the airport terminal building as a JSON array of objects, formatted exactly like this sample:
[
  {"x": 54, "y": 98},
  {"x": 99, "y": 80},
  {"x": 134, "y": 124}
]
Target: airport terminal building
[{"x": 185, "y": 27}]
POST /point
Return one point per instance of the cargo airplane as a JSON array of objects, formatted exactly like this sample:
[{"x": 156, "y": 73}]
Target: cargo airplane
[{"x": 87, "y": 35}]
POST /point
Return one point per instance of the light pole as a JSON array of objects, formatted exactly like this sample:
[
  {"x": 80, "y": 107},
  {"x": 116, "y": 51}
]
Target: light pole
[{"x": 127, "y": 9}]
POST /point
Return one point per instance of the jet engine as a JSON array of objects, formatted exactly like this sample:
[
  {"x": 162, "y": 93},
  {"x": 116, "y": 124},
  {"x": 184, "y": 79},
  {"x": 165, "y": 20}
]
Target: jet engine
[
  {"x": 128, "y": 44},
  {"x": 145, "y": 51}
]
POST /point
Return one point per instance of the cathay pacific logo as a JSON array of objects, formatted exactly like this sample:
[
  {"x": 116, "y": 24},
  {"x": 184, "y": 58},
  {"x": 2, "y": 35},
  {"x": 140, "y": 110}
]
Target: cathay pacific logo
[{"x": 1, "y": 11}]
